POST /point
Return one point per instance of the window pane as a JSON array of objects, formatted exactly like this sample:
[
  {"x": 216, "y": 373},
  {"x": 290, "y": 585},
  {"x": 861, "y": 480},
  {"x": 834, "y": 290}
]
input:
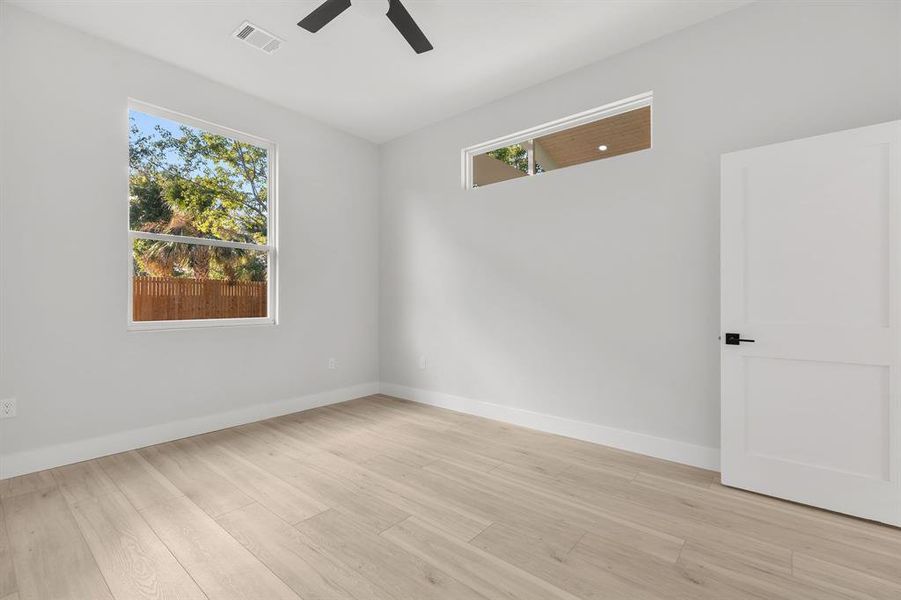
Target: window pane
[
  {"x": 500, "y": 165},
  {"x": 175, "y": 281},
  {"x": 620, "y": 134},
  {"x": 185, "y": 181}
]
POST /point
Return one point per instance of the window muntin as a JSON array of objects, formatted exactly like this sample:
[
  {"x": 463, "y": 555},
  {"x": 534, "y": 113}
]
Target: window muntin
[
  {"x": 201, "y": 240},
  {"x": 611, "y": 130}
]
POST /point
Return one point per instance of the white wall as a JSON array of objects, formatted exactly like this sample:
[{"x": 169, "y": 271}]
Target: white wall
[
  {"x": 592, "y": 293},
  {"x": 80, "y": 378}
]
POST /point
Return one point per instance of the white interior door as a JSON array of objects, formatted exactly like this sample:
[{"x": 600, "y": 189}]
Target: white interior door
[{"x": 811, "y": 253}]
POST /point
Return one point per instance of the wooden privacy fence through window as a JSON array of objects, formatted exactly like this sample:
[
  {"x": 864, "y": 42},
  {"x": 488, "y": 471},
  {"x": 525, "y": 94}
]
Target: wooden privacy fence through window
[{"x": 174, "y": 298}]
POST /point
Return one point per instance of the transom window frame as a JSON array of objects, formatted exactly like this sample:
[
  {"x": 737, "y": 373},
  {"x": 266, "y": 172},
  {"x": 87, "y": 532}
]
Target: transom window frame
[
  {"x": 526, "y": 136},
  {"x": 271, "y": 246}
]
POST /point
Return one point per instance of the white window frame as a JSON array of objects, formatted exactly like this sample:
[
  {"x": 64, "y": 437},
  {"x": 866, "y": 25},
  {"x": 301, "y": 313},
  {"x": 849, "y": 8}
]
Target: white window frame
[
  {"x": 271, "y": 247},
  {"x": 527, "y": 135}
]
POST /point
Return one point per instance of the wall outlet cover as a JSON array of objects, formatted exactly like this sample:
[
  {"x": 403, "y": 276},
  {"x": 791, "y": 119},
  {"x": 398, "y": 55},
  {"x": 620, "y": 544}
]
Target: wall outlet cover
[{"x": 7, "y": 408}]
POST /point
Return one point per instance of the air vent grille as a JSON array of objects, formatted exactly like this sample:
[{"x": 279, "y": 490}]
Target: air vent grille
[{"x": 258, "y": 38}]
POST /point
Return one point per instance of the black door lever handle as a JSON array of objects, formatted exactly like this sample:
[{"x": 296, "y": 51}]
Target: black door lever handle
[{"x": 734, "y": 339}]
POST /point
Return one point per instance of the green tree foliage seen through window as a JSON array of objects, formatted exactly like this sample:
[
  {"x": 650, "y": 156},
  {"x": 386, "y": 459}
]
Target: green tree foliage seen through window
[
  {"x": 515, "y": 156},
  {"x": 187, "y": 182}
]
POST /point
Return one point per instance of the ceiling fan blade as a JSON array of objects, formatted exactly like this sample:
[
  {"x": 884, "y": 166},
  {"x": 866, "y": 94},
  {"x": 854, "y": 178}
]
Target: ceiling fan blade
[
  {"x": 408, "y": 27},
  {"x": 323, "y": 14}
]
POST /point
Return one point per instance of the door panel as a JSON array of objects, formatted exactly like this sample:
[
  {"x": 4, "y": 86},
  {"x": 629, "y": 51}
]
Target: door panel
[
  {"x": 792, "y": 405},
  {"x": 810, "y": 259},
  {"x": 800, "y": 213}
]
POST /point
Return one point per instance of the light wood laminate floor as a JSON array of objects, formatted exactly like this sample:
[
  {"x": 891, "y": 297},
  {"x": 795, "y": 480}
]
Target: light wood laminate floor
[{"x": 384, "y": 499}]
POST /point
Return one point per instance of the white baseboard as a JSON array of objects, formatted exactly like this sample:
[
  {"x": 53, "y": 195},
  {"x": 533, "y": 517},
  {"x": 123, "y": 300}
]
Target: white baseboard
[
  {"x": 668, "y": 449},
  {"x": 38, "y": 459}
]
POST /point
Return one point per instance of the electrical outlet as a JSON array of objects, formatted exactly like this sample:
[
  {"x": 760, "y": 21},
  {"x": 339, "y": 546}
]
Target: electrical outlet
[
  {"x": 7, "y": 408},
  {"x": 422, "y": 362},
  {"x": 333, "y": 363}
]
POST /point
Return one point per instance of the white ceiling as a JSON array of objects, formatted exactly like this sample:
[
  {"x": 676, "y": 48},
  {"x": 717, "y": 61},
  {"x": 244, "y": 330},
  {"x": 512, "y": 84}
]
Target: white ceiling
[{"x": 358, "y": 73}]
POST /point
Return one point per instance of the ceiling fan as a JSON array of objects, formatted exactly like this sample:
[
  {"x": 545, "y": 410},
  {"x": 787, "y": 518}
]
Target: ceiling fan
[{"x": 396, "y": 13}]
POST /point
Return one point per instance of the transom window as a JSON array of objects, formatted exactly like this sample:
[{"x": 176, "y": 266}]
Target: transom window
[
  {"x": 201, "y": 240},
  {"x": 610, "y": 130}
]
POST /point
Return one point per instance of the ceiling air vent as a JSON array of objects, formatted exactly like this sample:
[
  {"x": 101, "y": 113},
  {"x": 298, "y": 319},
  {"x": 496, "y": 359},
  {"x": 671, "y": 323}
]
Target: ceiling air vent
[{"x": 258, "y": 38}]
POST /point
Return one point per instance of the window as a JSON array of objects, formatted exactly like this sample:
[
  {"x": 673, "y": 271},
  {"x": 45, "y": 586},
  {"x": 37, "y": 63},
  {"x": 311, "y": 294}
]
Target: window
[
  {"x": 610, "y": 130},
  {"x": 200, "y": 224}
]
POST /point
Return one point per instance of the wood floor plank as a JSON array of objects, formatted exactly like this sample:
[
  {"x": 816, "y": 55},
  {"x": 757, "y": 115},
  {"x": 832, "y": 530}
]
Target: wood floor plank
[
  {"x": 479, "y": 570},
  {"x": 275, "y": 437},
  {"x": 366, "y": 508},
  {"x": 857, "y": 532},
  {"x": 373, "y": 437},
  {"x": 370, "y": 488},
  {"x": 222, "y": 567},
  {"x": 529, "y": 552},
  {"x": 655, "y": 515},
  {"x": 283, "y": 549},
  {"x": 12, "y": 596},
  {"x": 736, "y": 576},
  {"x": 140, "y": 481},
  {"x": 276, "y": 494},
  {"x": 402, "y": 575},
  {"x": 7, "y": 571},
  {"x": 640, "y": 569},
  {"x": 844, "y": 581},
  {"x": 815, "y": 538},
  {"x": 83, "y": 480},
  {"x": 313, "y": 436},
  {"x": 588, "y": 519},
  {"x": 405, "y": 442},
  {"x": 452, "y": 519},
  {"x": 522, "y": 456},
  {"x": 325, "y": 487},
  {"x": 689, "y": 578},
  {"x": 24, "y": 484},
  {"x": 180, "y": 463},
  {"x": 51, "y": 558},
  {"x": 336, "y": 437},
  {"x": 132, "y": 559},
  {"x": 489, "y": 506}
]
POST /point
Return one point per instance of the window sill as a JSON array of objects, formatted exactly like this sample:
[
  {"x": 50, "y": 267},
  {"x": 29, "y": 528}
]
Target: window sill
[{"x": 198, "y": 324}]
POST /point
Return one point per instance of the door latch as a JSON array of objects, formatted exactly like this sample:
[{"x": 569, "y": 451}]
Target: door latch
[{"x": 734, "y": 339}]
